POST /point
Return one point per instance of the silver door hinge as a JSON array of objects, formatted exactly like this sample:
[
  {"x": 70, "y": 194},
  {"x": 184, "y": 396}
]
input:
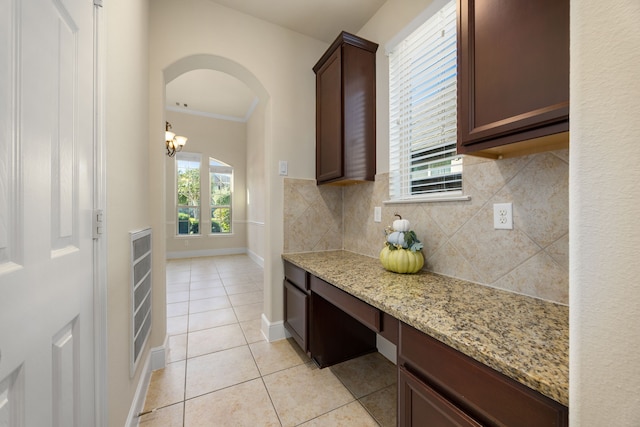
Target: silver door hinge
[
  {"x": 98, "y": 223},
  {"x": 97, "y": 3}
]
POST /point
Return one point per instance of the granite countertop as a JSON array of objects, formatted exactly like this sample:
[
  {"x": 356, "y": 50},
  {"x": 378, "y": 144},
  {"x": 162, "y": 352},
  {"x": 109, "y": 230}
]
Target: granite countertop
[{"x": 525, "y": 338}]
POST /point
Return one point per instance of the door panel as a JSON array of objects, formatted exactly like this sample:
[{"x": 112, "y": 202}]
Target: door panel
[
  {"x": 65, "y": 377},
  {"x": 9, "y": 179},
  {"x": 46, "y": 200}
]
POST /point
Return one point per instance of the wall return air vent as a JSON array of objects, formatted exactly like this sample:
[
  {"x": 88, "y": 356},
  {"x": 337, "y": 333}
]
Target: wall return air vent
[{"x": 141, "y": 286}]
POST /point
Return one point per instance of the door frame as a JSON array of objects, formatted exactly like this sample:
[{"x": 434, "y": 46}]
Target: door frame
[{"x": 99, "y": 205}]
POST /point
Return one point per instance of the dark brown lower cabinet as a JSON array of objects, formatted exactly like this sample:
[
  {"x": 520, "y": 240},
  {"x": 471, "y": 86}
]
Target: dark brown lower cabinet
[
  {"x": 485, "y": 395},
  {"x": 296, "y": 309},
  {"x": 423, "y": 406},
  {"x": 296, "y": 304}
]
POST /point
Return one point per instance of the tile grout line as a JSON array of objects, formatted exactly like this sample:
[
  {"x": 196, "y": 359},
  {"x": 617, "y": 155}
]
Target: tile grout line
[
  {"x": 186, "y": 359},
  {"x": 259, "y": 372}
]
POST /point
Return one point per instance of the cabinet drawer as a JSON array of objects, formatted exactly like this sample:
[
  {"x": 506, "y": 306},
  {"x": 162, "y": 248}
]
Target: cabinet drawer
[
  {"x": 296, "y": 306},
  {"x": 296, "y": 276},
  {"x": 360, "y": 310},
  {"x": 488, "y": 395},
  {"x": 423, "y": 406}
]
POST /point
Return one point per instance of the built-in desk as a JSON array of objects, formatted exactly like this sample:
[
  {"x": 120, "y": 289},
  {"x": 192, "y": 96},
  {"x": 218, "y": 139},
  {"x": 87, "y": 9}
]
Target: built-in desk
[{"x": 463, "y": 348}]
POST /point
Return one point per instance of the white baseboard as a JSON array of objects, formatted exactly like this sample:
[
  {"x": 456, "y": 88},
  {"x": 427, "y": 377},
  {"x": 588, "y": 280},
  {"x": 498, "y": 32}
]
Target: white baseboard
[
  {"x": 158, "y": 355},
  {"x": 156, "y": 359},
  {"x": 206, "y": 252},
  {"x": 256, "y": 258},
  {"x": 273, "y": 331}
]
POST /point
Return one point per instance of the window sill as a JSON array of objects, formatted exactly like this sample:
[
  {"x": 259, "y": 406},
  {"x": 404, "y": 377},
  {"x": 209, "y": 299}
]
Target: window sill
[{"x": 456, "y": 198}]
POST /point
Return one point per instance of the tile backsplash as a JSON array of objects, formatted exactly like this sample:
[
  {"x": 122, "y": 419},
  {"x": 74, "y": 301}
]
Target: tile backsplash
[{"x": 459, "y": 238}]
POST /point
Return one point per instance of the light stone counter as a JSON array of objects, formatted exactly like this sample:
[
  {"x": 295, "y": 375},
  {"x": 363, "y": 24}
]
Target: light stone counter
[{"x": 524, "y": 338}]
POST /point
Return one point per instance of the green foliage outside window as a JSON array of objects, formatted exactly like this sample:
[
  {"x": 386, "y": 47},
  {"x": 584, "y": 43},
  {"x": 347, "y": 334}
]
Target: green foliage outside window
[
  {"x": 221, "y": 190},
  {"x": 189, "y": 193},
  {"x": 188, "y": 184},
  {"x": 189, "y": 187}
]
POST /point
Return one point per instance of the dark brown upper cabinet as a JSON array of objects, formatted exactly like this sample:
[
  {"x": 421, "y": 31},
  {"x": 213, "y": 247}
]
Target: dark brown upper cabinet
[
  {"x": 346, "y": 111},
  {"x": 513, "y": 76}
]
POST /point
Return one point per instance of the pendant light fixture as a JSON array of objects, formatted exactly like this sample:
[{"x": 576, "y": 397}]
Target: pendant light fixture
[{"x": 174, "y": 143}]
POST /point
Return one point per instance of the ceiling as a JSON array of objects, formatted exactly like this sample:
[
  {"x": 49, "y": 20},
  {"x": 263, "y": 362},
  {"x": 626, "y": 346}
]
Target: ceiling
[{"x": 219, "y": 95}]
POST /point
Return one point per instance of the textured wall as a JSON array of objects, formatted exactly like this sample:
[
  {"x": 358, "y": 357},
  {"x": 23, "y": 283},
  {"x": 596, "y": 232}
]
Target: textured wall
[
  {"x": 604, "y": 346},
  {"x": 459, "y": 239},
  {"x": 129, "y": 193}
]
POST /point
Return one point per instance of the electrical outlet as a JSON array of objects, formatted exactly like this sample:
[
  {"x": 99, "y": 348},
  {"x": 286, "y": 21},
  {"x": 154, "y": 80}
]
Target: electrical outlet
[{"x": 503, "y": 216}]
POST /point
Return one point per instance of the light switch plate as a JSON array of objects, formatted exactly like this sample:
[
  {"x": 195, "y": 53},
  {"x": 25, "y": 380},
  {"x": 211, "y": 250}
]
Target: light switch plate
[
  {"x": 283, "y": 167},
  {"x": 503, "y": 216},
  {"x": 377, "y": 214}
]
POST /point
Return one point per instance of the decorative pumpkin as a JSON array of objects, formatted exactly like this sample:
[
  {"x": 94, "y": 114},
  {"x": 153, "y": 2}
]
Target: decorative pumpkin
[
  {"x": 401, "y": 260},
  {"x": 398, "y": 238},
  {"x": 401, "y": 224}
]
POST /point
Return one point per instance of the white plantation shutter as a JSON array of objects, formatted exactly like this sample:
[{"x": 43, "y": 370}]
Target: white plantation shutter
[{"x": 422, "y": 107}]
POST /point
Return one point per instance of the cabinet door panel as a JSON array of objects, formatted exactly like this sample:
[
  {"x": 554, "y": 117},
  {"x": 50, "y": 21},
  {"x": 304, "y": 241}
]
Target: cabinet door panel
[
  {"x": 329, "y": 155},
  {"x": 513, "y": 71},
  {"x": 423, "y": 406},
  {"x": 359, "y": 98},
  {"x": 296, "y": 309}
]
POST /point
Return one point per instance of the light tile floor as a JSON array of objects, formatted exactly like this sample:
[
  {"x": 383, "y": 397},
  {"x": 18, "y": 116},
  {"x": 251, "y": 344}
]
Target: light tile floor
[{"x": 222, "y": 372}]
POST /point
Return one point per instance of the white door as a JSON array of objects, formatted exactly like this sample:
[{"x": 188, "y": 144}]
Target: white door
[{"x": 46, "y": 200}]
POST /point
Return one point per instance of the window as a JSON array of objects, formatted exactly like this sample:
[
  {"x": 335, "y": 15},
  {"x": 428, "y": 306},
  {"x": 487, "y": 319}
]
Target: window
[
  {"x": 188, "y": 185},
  {"x": 221, "y": 189},
  {"x": 423, "y": 161}
]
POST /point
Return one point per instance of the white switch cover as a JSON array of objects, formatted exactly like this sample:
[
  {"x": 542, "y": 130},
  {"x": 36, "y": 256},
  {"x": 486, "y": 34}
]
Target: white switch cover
[
  {"x": 282, "y": 167},
  {"x": 503, "y": 216},
  {"x": 377, "y": 214}
]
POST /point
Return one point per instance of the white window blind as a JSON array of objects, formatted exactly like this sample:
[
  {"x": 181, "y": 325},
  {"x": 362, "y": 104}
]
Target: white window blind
[{"x": 423, "y": 126}]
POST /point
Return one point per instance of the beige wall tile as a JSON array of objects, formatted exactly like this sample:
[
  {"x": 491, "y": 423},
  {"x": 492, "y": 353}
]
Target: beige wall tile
[{"x": 458, "y": 237}]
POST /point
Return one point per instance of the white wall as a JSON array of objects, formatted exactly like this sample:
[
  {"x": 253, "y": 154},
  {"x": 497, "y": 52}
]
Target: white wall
[
  {"x": 605, "y": 208},
  {"x": 223, "y": 140},
  {"x": 280, "y": 60},
  {"x": 128, "y": 195},
  {"x": 256, "y": 186}
]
